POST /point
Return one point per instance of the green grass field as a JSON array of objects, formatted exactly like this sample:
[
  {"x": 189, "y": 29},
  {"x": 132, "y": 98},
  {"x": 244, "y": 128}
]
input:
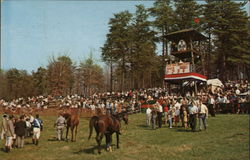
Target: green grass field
[{"x": 227, "y": 138}]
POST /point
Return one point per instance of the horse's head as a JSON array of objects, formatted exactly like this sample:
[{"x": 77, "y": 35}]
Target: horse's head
[{"x": 66, "y": 115}]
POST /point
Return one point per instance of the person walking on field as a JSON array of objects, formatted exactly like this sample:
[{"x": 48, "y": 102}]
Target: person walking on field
[
  {"x": 148, "y": 116},
  {"x": 20, "y": 128},
  {"x": 185, "y": 118},
  {"x": 193, "y": 111},
  {"x": 60, "y": 124},
  {"x": 170, "y": 116},
  {"x": 10, "y": 133},
  {"x": 165, "y": 109},
  {"x": 154, "y": 116},
  {"x": 159, "y": 114},
  {"x": 203, "y": 114},
  {"x": 37, "y": 128},
  {"x": 211, "y": 105}
]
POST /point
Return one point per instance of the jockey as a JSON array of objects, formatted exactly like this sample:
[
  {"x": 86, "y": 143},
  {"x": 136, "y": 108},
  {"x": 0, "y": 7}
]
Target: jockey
[{"x": 37, "y": 128}]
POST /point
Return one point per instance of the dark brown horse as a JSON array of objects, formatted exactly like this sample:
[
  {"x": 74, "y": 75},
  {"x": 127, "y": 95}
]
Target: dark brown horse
[
  {"x": 72, "y": 123},
  {"x": 106, "y": 125}
]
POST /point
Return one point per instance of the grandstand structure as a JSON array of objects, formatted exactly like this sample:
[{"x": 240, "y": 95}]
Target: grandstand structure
[{"x": 187, "y": 65}]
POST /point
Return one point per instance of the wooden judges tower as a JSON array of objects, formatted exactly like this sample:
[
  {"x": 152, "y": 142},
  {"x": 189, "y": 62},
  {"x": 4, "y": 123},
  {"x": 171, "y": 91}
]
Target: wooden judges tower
[{"x": 188, "y": 49}]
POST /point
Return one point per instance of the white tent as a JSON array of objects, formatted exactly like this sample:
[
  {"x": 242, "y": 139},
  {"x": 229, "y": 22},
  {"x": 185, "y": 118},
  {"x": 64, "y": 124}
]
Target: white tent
[{"x": 214, "y": 82}]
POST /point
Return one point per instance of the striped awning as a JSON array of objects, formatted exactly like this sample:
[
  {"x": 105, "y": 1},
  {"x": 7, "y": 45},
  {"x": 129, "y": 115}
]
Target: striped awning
[{"x": 186, "y": 76}]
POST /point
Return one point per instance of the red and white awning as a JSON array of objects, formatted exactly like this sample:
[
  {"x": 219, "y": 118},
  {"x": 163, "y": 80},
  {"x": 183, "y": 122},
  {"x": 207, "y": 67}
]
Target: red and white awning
[{"x": 186, "y": 76}]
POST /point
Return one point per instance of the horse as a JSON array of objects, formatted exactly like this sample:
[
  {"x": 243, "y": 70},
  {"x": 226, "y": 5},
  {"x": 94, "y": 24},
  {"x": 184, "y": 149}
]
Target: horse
[
  {"x": 72, "y": 123},
  {"x": 106, "y": 125},
  {"x": 122, "y": 116}
]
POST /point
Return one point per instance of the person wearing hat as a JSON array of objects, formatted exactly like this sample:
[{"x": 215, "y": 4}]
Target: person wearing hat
[{"x": 60, "y": 124}]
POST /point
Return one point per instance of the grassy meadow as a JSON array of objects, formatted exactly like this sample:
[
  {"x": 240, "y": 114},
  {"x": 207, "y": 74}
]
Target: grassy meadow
[{"x": 227, "y": 138}]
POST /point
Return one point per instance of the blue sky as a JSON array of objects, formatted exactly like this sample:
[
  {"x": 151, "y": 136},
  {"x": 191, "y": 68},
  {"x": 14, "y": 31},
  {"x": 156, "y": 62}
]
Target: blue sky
[{"x": 33, "y": 31}]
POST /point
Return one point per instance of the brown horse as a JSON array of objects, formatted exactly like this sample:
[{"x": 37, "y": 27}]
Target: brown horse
[
  {"x": 72, "y": 123},
  {"x": 106, "y": 125}
]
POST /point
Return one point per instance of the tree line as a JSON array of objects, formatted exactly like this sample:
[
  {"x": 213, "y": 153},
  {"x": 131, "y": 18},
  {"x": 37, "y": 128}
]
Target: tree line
[
  {"x": 60, "y": 78},
  {"x": 132, "y": 46}
]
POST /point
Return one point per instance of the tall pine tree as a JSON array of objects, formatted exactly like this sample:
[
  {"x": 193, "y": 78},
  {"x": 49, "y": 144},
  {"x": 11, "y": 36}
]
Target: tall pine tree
[{"x": 228, "y": 23}]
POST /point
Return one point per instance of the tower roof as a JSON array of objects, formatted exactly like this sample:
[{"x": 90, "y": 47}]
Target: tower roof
[{"x": 184, "y": 34}]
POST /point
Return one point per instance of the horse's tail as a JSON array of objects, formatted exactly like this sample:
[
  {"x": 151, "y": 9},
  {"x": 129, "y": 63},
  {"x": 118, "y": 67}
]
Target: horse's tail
[{"x": 92, "y": 122}]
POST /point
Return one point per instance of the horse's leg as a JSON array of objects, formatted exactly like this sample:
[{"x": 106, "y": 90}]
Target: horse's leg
[
  {"x": 97, "y": 137},
  {"x": 67, "y": 131},
  {"x": 99, "y": 141},
  {"x": 117, "y": 139},
  {"x": 72, "y": 133},
  {"x": 76, "y": 132}
]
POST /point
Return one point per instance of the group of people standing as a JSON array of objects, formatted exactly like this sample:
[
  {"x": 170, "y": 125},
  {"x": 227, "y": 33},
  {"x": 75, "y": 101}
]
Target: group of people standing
[
  {"x": 14, "y": 130},
  {"x": 178, "y": 113}
]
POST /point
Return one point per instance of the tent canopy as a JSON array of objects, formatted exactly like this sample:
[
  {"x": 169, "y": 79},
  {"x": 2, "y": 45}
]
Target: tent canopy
[{"x": 214, "y": 82}]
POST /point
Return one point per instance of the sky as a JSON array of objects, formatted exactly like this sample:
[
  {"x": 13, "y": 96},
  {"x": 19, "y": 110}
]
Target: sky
[{"x": 34, "y": 31}]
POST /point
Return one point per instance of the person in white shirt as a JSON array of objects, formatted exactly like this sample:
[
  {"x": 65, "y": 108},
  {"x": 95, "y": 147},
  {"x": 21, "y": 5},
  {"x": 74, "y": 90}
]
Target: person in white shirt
[
  {"x": 211, "y": 105},
  {"x": 203, "y": 115},
  {"x": 148, "y": 116},
  {"x": 159, "y": 114},
  {"x": 193, "y": 111}
]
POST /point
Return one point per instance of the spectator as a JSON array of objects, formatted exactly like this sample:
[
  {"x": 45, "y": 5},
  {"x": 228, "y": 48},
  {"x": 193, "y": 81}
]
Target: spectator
[
  {"x": 20, "y": 128},
  {"x": 203, "y": 115},
  {"x": 148, "y": 116},
  {"x": 159, "y": 114},
  {"x": 60, "y": 124},
  {"x": 165, "y": 109},
  {"x": 185, "y": 117},
  {"x": 37, "y": 128},
  {"x": 10, "y": 134},
  {"x": 28, "y": 127},
  {"x": 4, "y": 126},
  {"x": 154, "y": 116},
  {"x": 193, "y": 111}
]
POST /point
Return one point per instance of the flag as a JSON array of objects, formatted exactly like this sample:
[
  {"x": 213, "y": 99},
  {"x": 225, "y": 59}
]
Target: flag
[{"x": 196, "y": 20}]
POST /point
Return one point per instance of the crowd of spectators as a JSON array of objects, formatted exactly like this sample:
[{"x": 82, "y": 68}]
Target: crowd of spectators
[
  {"x": 232, "y": 97},
  {"x": 174, "y": 110}
]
